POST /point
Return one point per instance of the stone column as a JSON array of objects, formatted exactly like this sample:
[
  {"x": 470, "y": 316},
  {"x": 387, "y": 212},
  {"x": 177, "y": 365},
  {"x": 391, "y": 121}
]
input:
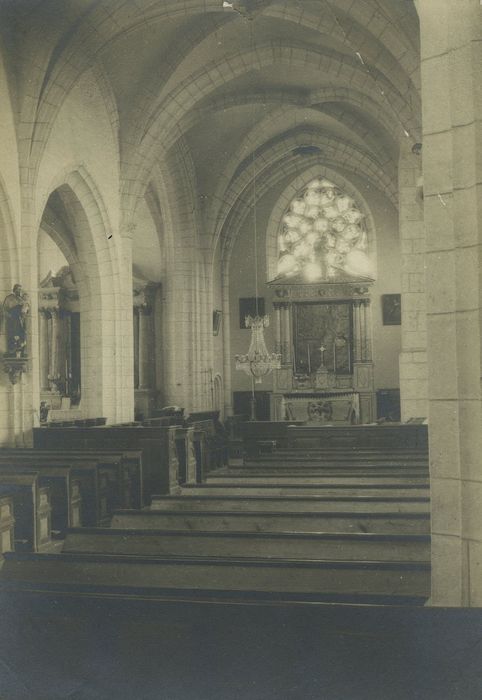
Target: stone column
[
  {"x": 136, "y": 347},
  {"x": 145, "y": 354},
  {"x": 44, "y": 350},
  {"x": 286, "y": 340},
  {"x": 277, "y": 314},
  {"x": 413, "y": 356},
  {"x": 451, "y": 46}
]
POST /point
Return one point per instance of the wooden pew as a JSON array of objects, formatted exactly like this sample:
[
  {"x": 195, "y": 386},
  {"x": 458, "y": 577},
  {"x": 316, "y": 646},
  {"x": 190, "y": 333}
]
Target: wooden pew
[
  {"x": 130, "y": 461},
  {"x": 186, "y": 453},
  {"x": 209, "y": 576},
  {"x": 65, "y": 491},
  {"x": 158, "y": 446},
  {"x": 317, "y": 520},
  {"x": 96, "y": 504},
  {"x": 386, "y": 436},
  {"x": 32, "y": 509},
  {"x": 7, "y": 522},
  {"x": 281, "y": 545},
  {"x": 78, "y": 422},
  {"x": 108, "y": 465},
  {"x": 371, "y": 501},
  {"x": 216, "y": 442}
]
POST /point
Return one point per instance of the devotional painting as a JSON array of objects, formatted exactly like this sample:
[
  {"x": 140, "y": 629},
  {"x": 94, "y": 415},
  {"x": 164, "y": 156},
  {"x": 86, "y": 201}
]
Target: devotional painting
[{"x": 322, "y": 337}]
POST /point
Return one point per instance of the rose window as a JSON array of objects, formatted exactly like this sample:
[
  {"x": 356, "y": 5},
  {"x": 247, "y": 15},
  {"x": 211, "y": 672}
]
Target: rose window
[{"x": 322, "y": 235}]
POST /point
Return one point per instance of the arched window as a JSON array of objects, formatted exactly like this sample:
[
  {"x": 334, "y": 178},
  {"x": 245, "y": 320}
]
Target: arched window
[{"x": 323, "y": 235}]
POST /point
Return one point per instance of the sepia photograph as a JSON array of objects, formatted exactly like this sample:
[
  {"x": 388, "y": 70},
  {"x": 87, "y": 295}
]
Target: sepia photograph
[{"x": 240, "y": 349}]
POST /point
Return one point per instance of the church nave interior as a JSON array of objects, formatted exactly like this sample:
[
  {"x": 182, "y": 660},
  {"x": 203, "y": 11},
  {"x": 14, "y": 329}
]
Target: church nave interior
[{"x": 241, "y": 348}]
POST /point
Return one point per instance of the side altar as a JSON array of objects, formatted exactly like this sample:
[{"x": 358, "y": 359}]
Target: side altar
[{"x": 323, "y": 332}]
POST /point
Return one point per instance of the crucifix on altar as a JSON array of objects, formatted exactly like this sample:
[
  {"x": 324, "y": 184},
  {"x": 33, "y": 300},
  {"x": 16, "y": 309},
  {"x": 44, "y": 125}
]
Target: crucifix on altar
[{"x": 322, "y": 350}]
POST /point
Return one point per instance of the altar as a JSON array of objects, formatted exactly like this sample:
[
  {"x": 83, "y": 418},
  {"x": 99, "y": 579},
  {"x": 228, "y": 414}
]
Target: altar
[
  {"x": 323, "y": 332},
  {"x": 336, "y": 407}
]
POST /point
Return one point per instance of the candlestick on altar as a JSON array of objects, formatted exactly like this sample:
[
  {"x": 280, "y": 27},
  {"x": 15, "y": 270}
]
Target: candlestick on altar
[
  {"x": 322, "y": 352},
  {"x": 309, "y": 360}
]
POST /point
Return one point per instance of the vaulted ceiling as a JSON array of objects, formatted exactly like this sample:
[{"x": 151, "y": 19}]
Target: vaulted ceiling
[{"x": 278, "y": 78}]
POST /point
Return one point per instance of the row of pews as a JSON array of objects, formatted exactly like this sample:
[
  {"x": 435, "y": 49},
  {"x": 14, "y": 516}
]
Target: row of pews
[
  {"x": 78, "y": 476},
  {"x": 340, "y": 522}
]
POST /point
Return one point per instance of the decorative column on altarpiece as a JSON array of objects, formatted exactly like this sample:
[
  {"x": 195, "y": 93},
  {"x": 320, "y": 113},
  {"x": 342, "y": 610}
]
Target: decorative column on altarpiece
[
  {"x": 44, "y": 350},
  {"x": 283, "y": 332},
  {"x": 363, "y": 378},
  {"x": 50, "y": 339}
]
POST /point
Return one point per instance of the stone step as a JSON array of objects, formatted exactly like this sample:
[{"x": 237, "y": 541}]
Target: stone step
[
  {"x": 392, "y": 522},
  {"x": 334, "y": 490},
  {"x": 125, "y": 574},
  {"x": 292, "y": 504},
  {"x": 280, "y": 545}
]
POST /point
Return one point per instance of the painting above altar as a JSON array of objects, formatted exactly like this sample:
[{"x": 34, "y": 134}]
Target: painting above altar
[{"x": 322, "y": 335}]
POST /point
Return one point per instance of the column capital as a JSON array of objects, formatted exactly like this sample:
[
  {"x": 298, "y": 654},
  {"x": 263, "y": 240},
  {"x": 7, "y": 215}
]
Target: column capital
[
  {"x": 143, "y": 295},
  {"x": 49, "y": 299}
]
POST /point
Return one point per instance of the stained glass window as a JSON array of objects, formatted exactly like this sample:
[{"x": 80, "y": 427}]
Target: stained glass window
[{"x": 323, "y": 234}]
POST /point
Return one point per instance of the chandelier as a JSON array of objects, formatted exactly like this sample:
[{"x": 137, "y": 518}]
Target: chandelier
[{"x": 258, "y": 362}]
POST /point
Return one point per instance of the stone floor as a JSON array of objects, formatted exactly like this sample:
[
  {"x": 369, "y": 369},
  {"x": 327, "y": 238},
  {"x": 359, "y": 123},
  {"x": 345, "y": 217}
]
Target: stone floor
[{"x": 101, "y": 648}]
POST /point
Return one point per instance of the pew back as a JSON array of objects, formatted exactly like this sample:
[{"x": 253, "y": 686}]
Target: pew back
[
  {"x": 159, "y": 456},
  {"x": 32, "y": 509},
  {"x": 7, "y": 522}
]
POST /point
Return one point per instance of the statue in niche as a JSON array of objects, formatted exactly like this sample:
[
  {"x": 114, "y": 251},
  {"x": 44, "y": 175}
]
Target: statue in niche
[{"x": 16, "y": 307}]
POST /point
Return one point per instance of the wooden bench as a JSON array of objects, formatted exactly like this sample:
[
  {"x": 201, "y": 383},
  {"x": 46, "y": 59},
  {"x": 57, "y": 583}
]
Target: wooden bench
[
  {"x": 130, "y": 461},
  {"x": 186, "y": 453},
  {"x": 96, "y": 497},
  {"x": 282, "y": 545},
  {"x": 340, "y": 520},
  {"x": 78, "y": 422},
  {"x": 181, "y": 576},
  {"x": 215, "y": 441},
  {"x": 65, "y": 492},
  {"x": 31, "y": 506},
  {"x": 386, "y": 436},
  {"x": 157, "y": 444}
]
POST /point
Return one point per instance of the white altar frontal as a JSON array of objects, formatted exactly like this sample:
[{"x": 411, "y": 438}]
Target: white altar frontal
[{"x": 323, "y": 332}]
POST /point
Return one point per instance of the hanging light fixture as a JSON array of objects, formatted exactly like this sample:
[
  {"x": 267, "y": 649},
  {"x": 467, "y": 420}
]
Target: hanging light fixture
[{"x": 257, "y": 362}]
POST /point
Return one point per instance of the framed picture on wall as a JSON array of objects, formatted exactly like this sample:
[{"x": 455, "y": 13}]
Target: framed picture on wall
[
  {"x": 247, "y": 307},
  {"x": 392, "y": 309},
  {"x": 217, "y": 316}
]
